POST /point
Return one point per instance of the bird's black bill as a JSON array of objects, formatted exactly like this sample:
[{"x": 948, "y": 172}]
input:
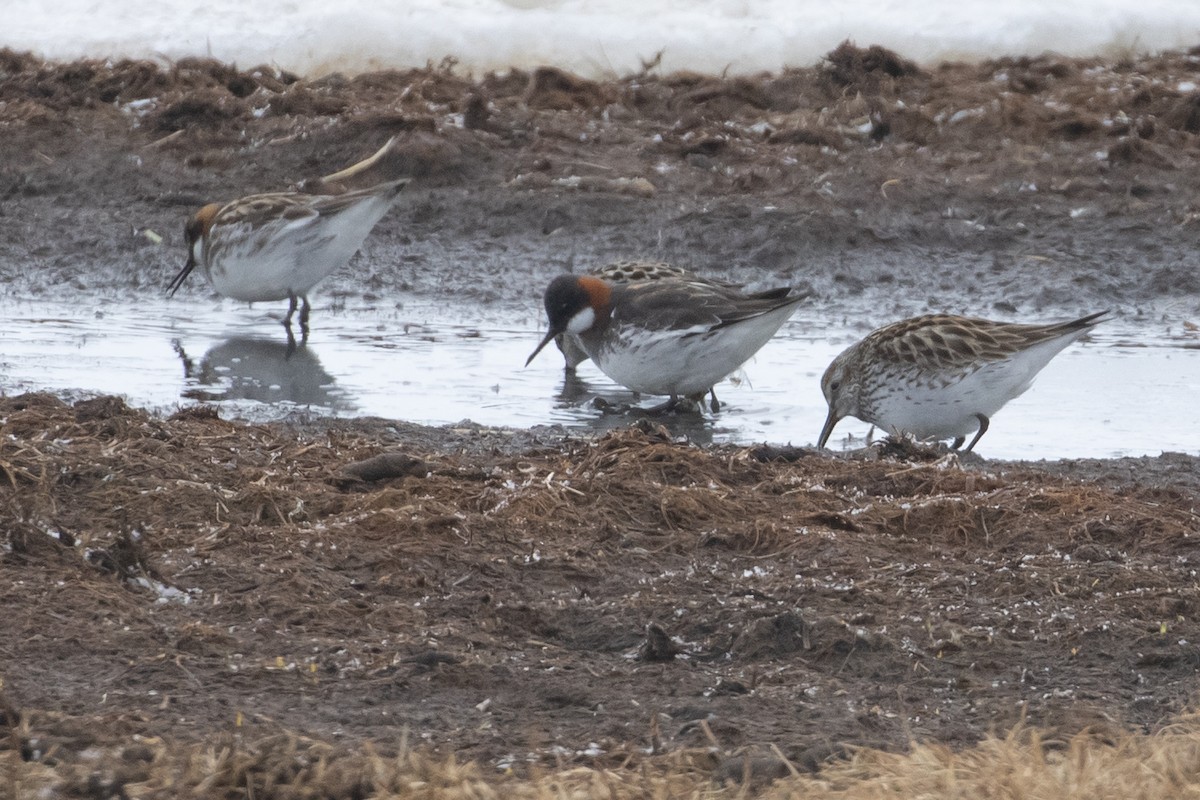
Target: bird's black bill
[
  {"x": 181, "y": 276},
  {"x": 549, "y": 338},
  {"x": 827, "y": 430}
]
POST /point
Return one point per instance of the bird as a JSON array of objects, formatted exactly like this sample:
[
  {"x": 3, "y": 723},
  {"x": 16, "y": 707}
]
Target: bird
[
  {"x": 672, "y": 336},
  {"x": 941, "y": 376},
  {"x": 278, "y": 246},
  {"x": 631, "y": 271}
]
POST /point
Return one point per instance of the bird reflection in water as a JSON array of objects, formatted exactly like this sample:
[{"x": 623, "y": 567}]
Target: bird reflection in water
[{"x": 267, "y": 371}]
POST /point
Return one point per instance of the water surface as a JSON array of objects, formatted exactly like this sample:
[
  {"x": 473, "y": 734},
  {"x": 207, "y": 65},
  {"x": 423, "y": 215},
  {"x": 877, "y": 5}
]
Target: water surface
[{"x": 1129, "y": 390}]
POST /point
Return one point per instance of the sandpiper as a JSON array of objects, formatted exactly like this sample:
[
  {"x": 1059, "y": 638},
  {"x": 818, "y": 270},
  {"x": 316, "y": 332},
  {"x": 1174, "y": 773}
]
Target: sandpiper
[
  {"x": 941, "y": 376},
  {"x": 277, "y": 246}
]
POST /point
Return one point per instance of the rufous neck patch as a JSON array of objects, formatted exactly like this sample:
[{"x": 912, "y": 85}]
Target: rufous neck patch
[
  {"x": 206, "y": 215},
  {"x": 599, "y": 292}
]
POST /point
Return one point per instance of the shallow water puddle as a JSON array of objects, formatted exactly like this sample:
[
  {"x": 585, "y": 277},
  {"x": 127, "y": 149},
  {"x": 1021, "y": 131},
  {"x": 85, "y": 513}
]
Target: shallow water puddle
[{"x": 1128, "y": 391}]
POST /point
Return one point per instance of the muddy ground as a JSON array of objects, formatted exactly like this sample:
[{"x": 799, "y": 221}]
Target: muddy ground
[
  {"x": 525, "y": 597},
  {"x": 1011, "y": 188}
]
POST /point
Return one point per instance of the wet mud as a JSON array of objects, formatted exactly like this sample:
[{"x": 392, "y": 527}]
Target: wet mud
[
  {"x": 537, "y": 598},
  {"x": 1016, "y": 187}
]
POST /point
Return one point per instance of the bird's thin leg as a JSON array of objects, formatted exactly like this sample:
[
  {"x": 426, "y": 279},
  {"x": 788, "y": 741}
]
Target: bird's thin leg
[
  {"x": 713, "y": 402},
  {"x": 304, "y": 309},
  {"x": 958, "y": 442},
  {"x": 983, "y": 426},
  {"x": 304, "y": 314},
  {"x": 287, "y": 319}
]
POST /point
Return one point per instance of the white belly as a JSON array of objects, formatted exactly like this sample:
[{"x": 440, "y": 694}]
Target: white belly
[
  {"x": 929, "y": 410},
  {"x": 288, "y": 257},
  {"x": 672, "y": 363},
  {"x": 271, "y": 277},
  {"x": 928, "y": 414},
  {"x": 663, "y": 366}
]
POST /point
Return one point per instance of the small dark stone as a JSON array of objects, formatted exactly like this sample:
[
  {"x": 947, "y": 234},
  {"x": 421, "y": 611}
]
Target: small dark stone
[{"x": 658, "y": 645}]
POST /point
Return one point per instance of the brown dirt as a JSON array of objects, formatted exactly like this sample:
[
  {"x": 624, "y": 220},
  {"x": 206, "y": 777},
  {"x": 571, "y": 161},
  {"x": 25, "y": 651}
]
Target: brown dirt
[
  {"x": 1007, "y": 187},
  {"x": 578, "y": 602},
  {"x": 535, "y": 599}
]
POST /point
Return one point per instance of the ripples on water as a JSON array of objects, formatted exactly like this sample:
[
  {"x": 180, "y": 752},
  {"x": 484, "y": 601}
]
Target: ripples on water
[{"x": 1128, "y": 391}]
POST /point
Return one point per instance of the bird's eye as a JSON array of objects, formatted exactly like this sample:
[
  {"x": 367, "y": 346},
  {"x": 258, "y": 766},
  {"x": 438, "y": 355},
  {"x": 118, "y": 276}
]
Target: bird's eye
[{"x": 835, "y": 385}]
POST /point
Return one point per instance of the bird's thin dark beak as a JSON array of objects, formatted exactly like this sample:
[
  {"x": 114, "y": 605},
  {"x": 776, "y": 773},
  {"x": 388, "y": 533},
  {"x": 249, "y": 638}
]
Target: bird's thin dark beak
[
  {"x": 550, "y": 334},
  {"x": 181, "y": 276},
  {"x": 830, "y": 421}
]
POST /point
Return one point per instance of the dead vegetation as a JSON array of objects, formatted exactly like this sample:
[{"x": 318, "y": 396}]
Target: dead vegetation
[
  {"x": 197, "y": 603},
  {"x": 194, "y": 605},
  {"x": 849, "y": 178},
  {"x": 857, "y": 97},
  {"x": 1099, "y": 764}
]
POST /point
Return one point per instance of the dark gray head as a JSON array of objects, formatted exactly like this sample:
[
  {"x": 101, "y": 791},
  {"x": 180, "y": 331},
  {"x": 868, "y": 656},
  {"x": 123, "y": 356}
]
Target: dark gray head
[{"x": 573, "y": 304}]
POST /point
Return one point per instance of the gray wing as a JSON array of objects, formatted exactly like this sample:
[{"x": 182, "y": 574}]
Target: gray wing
[{"x": 693, "y": 307}]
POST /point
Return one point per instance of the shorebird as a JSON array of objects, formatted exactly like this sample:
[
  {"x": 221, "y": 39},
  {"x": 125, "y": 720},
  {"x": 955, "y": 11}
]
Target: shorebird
[
  {"x": 278, "y": 246},
  {"x": 632, "y": 272},
  {"x": 941, "y": 376},
  {"x": 673, "y": 336}
]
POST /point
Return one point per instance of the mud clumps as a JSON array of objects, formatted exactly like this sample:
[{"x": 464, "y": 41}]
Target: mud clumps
[
  {"x": 1185, "y": 114},
  {"x": 381, "y": 467},
  {"x": 813, "y": 106},
  {"x": 553, "y": 88},
  {"x": 866, "y": 69},
  {"x": 1132, "y": 150},
  {"x": 862, "y": 166},
  {"x": 209, "y": 543},
  {"x": 66, "y": 87},
  {"x": 307, "y": 103},
  {"x": 181, "y": 587}
]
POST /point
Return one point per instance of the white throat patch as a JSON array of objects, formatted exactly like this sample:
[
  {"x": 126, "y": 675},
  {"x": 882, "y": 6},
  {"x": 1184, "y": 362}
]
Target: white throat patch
[{"x": 582, "y": 320}]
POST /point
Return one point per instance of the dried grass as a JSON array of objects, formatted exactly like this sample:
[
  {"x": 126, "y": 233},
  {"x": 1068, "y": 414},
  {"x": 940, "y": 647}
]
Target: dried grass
[
  {"x": 857, "y": 97},
  {"x": 840, "y": 575},
  {"x": 1023, "y": 765}
]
